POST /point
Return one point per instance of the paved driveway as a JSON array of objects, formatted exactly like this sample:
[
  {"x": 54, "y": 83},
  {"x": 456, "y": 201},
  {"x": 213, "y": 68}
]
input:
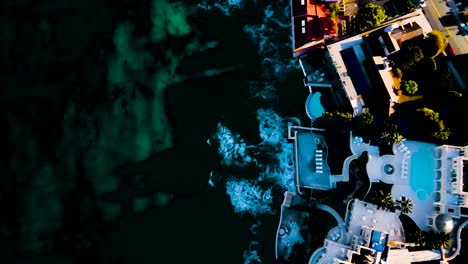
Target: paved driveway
[{"x": 439, "y": 16}]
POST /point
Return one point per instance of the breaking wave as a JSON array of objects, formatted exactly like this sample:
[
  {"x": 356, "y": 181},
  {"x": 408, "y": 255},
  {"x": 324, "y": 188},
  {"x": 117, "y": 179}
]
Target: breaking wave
[{"x": 273, "y": 156}]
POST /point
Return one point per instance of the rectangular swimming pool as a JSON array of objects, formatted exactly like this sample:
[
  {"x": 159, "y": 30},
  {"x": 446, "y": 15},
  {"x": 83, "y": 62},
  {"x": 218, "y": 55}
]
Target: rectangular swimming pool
[{"x": 422, "y": 173}]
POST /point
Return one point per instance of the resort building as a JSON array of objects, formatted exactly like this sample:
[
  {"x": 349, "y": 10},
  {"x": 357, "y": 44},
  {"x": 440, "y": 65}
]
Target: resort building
[
  {"x": 451, "y": 194},
  {"x": 432, "y": 177},
  {"x": 372, "y": 234}
]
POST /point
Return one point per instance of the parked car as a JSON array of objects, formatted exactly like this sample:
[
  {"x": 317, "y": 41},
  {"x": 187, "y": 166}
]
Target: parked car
[{"x": 422, "y": 3}]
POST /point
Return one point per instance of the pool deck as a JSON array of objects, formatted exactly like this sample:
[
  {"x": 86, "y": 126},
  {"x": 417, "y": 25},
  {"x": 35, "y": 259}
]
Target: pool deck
[
  {"x": 312, "y": 170},
  {"x": 412, "y": 175}
]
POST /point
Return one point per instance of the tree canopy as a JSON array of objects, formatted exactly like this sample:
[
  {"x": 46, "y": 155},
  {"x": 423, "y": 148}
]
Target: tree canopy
[
  {"x": 333, "y": 8},
  {"x": 391, "y": 134},
  {"x": 410, "y": 56},
  {"x": 429, "y": 121},
  {"x": 434, "y": 43},
  {"x": 427, "y": 65},
  {"x": 409, "y": 87},
  {"x": 432, "y": 240},
  {"x": 368, "y": 17},
  {"x": 406, "y": 6}
]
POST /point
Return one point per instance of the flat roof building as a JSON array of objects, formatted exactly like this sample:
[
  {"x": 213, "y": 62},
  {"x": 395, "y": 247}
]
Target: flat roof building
[
  {"x": 451, "y": 192},
  {"x": 347, "y": 57},
  {"x": 371, "y": 232},
  {"x": 362, "y": 66}
]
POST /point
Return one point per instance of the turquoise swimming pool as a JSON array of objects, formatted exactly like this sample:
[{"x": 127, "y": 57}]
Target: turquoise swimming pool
[
  {"x": 314, "y": 107},
  {"x": 422, "y": 173}
]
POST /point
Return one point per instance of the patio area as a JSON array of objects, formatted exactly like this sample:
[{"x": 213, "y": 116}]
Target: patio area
[
  {"x": 313, "y": 170},
  {"x": 290, "y": 226},
  {"x": 411, "y": 171},
  {"x": 365, "y": 214}
]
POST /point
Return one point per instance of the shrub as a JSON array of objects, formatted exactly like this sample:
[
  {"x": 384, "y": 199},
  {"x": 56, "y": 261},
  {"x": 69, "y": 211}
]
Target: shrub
[
  {"x": 335, "y": 120},
  {"x": 431, "y": 114},
  {"x": 455, "y": 94},
  {"x": 391, "y": 134},
  {"x": 365, "y": 119},
  {"x": 431, "y": 123},
  {"x": 442, "y": 135}
]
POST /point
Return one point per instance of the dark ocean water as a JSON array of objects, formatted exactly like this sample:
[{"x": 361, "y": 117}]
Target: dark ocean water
[
  {"x": 206, "y": 222},
  {"x": 145, "y": 132}
]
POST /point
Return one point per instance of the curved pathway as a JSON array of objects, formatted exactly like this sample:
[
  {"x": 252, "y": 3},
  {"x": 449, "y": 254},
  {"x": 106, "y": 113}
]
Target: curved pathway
[
  {"x": 332, "y": 212},
  {"x": 317, "y": 255},
  {"x": 460, "y": 228},
  {"x": 337, "y": 217}
]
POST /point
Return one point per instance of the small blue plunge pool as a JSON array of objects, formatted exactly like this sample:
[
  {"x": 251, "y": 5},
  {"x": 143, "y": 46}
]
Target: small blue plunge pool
[{"x": 314, "y": 107}]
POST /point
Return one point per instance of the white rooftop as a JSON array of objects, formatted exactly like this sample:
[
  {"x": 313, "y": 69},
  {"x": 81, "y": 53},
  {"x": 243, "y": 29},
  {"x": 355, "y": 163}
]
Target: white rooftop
[
  {"x": 334, "y": 51},
  {"x": 403, "y": 256},
  {"x": 367, "y": 215},
  {"x": 421, "y": 20}
]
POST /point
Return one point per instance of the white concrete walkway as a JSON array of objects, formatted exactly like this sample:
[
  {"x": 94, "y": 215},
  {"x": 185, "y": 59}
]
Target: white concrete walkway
[{"x": 396, "y": 169}]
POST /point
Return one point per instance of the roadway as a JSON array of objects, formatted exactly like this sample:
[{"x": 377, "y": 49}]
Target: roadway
[{"x": 439, "y": 16}]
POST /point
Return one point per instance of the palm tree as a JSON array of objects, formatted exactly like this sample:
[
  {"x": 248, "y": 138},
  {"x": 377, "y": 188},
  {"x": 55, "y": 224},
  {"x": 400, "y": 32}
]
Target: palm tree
[
  {"x": 368, "y": 259},
  {"x": 384, "y": 200},
  {"x": 442, "y": 240},
  {"x": 405, "y": 205},
  {"x": 364, "y": 259},
  {"x": 420, "y": 238}
]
